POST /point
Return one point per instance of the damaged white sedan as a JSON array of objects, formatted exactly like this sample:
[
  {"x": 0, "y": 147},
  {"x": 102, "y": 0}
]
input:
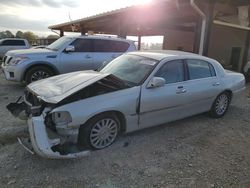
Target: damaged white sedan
[{"x": 70, "y": 114}]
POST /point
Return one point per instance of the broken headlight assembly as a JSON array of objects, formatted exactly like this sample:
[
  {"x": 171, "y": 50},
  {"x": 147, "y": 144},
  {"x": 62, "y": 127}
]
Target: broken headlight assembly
[{"x": 61, "y": 118}]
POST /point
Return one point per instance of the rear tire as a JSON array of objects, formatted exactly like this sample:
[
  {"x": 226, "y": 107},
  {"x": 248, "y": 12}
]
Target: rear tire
[
  {"x": 99, "y": 132},
  {"x": 37, "y": 73},
  {"x": 220, "y": 105}
]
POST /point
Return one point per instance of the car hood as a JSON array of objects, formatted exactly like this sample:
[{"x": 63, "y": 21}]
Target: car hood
[
  {"x": 29, "y": 52},
  {"x": 55, "y": 89}
]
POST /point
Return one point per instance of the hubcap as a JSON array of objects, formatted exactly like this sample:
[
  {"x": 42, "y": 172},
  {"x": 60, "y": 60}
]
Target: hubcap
[
  {"x": 39, "y": 75},
  {"x": 221, "y": 104},
  {"x": 103, "y": 133}
]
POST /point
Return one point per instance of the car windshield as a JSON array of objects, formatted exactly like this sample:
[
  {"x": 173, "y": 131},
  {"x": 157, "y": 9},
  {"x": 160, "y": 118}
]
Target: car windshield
[
  {"x": 58, "y": 43},
  {"x": 131, "y": 69}
]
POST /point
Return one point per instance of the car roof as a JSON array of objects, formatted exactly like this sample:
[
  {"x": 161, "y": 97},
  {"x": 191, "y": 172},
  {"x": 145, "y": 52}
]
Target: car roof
[
  {"x": 163, "y": 54},
  {"x": 100, "y": 37},
  {"x": 12, "y": 39}
]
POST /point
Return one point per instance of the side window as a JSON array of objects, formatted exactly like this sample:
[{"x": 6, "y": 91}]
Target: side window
[
  {"x": 172, "y": 71},
  {"x": 119, "y": 46},
  {"x": 13, "y": 43},
  {"x": 83, "y": 45},
  {"x": 199, "y": 69},
  {"x": 102, "y": 45}
]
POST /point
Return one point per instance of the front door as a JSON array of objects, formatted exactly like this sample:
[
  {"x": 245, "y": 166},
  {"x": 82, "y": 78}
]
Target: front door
[
  {"x": 80, "y": 59},
  {"x": 163, "y": 104}
]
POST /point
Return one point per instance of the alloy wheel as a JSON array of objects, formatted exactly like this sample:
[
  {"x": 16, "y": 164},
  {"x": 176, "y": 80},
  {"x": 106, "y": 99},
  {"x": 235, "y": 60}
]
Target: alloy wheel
[
  {"x": 221, "y": 104},
  {"x": 103, "y": 133},
  {"x": 39, "y": 75}
]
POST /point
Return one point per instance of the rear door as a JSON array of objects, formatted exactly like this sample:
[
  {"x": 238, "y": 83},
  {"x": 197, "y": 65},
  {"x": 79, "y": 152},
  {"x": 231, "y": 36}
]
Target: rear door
[
  {"x": 80, "y": 59},
  {"x": 107, "y": 50},
  {"x": 203, "y": 85}
]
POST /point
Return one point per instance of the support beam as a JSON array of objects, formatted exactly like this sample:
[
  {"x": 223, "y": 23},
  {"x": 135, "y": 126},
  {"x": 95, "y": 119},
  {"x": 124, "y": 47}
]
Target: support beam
[
  {"x": 121, "y": 30},
  {"x": 246, "y": 55},
  {"x": 139, "y": 42},
  {"x": 209, "y": 13},
  {"x": 164, "y": 44},
  {"x": 61, "y": 33},
  {"x": 197, "y": 36}
]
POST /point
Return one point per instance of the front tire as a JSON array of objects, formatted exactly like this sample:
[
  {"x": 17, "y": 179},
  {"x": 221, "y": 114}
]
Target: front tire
[
  {"x": 99, "y": 132},
  {"x": 220, "y": 105},
  {"x": 37, "y": 73}
]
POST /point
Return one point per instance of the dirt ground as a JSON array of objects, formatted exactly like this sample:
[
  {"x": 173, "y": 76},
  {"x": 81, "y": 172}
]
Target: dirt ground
[{"x": 193, "y": 152}]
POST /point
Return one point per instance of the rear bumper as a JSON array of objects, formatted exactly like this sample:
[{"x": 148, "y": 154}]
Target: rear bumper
[
  {"x": 42, "y": 144},
  {"x": 237, "y": 95}
]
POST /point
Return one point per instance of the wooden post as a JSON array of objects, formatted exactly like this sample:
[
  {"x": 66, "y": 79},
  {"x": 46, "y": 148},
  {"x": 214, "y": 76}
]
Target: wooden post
[
  {"x": 139, "y": 42},
  {"x": 164, "y": 44},
  {"x": 209, "y": 14},
  {"x": 61, "y": 33},
  {"x": 197, "y": 36},
  {"x": 246, "y": 55},
  {"x": 121, "y": 30}
]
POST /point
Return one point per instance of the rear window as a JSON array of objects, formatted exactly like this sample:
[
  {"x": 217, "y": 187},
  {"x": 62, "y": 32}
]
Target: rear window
[
  {"x": 110, "y": 46},
  {"x": 13, "y": 43}
]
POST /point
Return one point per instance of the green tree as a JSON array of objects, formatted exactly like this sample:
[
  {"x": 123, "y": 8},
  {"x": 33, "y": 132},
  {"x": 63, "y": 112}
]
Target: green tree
[
  {"x": 19, "y": 34},
  {"x": 31, "y": 37},
  {"x": 6, "y": 34}
]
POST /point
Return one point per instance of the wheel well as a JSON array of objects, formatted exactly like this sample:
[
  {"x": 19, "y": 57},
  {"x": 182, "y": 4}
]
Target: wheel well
[
  {"x": 42, "y": 65},
  {"x": 230, "y": 93}
]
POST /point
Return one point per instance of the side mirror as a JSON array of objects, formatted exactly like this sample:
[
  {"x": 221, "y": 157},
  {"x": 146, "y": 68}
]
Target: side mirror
[
  {"x": 104, "y": 63},
  {"x": 156, "y": 82},
  {"x": 70, "y": 49}
]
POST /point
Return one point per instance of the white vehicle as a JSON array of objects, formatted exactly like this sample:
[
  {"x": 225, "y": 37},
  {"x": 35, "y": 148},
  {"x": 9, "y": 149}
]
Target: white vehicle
[
  {"x": 8, "y": 44},
  {"x": 89, "y": 109},
  {"x": 67, "y": 54}
]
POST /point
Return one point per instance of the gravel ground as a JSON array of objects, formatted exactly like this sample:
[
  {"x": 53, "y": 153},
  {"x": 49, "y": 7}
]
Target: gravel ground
[{"x": 194, "y": 152}]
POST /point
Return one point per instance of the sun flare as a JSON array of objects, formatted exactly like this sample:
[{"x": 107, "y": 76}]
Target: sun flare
[{"x": 142, "y": 2}]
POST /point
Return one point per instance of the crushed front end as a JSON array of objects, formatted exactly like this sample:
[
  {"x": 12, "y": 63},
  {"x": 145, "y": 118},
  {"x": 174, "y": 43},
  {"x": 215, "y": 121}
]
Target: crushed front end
[{"x": 49, "y": 135}]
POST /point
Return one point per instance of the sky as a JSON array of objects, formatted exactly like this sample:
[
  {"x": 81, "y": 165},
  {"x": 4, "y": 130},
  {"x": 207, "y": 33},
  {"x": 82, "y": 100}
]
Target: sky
[{"x": 37, "y": 15}]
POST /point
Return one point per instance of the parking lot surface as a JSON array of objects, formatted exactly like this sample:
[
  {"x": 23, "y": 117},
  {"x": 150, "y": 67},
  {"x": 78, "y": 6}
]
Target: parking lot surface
[{"x": 193, "y": 152}]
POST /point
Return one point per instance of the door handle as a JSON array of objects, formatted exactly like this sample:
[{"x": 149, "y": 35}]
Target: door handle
[
  {"x": 216, "y": 84},
  {"x": 181, "y": 89},
  {"x": 87, "y": 56}
]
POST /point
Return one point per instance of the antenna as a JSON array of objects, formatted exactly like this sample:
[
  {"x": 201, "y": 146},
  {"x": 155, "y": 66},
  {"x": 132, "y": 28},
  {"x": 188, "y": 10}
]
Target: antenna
[
  {"x": 70, "y": 17},
  {"x": 73, "y": 26}
]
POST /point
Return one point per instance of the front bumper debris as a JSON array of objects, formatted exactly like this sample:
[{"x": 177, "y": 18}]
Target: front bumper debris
[
  {"x": 17, "y": 108},
  {"x": 43, "y": 145},
  {"x": 26, "y": 144}
]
